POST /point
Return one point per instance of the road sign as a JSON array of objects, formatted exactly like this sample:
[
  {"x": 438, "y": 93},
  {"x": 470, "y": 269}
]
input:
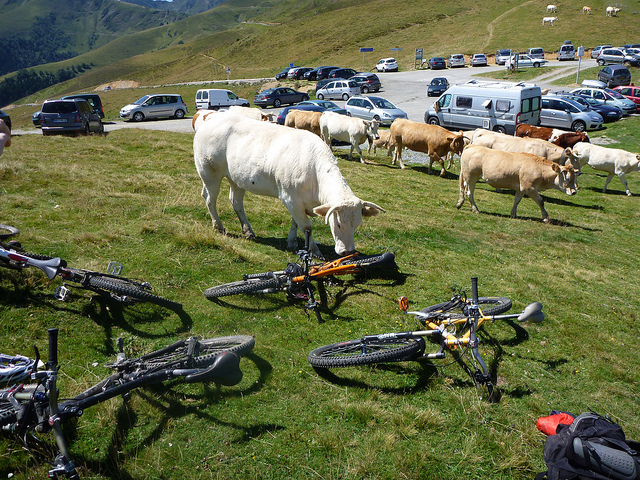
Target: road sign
[
  {"x": 366, "y": 49},
  {"x": 397, "y": 49}
]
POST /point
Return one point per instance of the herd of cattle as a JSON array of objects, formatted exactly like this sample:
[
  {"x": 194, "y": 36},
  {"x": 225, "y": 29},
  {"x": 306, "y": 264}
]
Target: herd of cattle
[{"x": 295, "y": 163}]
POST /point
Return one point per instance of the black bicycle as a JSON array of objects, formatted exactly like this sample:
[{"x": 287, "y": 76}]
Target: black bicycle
[
  {"x": 109, "y": 285},
  {"x": 29, "y": 409}
]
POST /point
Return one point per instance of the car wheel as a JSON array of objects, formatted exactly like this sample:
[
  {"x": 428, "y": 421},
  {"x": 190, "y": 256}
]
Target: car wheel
[
  {"x": 536, "y": 65},
  {"x": 179, "y": 114},
  {"x": 345, "y": 96},
  {"x": 365, "y": 89},
  {"x": 499, "y": 129},
  {"x": 626, "y": 63},
  {"x": 138, "y": 117},
  {"x": 277, "y": 103},
  {"x": 320, "y": 96},
  {"x": 376, "y": 118},
  {"x": 86, "y": 130},
  {"x": 578, "y": 126},
  {"x": 434, "y": 121},
  {"x": 601, "y": 62},
  {"x": 305, "y": 98},
  {"x": 348, "y": 114}
]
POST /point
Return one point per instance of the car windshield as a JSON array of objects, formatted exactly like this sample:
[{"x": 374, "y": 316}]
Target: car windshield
[
  {"x": 438, "y": 81},
  {"x": 140, "y": 101},
  {"x": 381, "y": 102},
  {"x": 614, "y": 94}
]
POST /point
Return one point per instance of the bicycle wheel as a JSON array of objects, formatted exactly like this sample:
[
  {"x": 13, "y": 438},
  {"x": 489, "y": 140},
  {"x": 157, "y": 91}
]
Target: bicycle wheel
[
  {"x": 366, "y": 352},
  {"x": 7, "y": 231},
  {"x": 488, "y": 305},
  {"x": 7, "y": 414},
  {"x": 123, "y": 286},
  {"x": 386, "y": 259},
  {"x": 250, "y": 286}
]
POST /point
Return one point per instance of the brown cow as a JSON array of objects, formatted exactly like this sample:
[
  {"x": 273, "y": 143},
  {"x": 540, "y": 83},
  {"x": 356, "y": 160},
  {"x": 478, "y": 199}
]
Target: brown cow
[
  {"x": 304, "y": 120},
  {"x": 433, "y": 140},
  {"x": 557, "y": 137},
  {"x": 382, "y": 142},
  {"x": 525, "y": 173}
]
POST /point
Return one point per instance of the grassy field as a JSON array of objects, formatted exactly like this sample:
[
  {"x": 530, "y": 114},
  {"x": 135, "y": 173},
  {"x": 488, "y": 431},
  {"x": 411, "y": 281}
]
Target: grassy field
[{"x": 133, "y": 196}]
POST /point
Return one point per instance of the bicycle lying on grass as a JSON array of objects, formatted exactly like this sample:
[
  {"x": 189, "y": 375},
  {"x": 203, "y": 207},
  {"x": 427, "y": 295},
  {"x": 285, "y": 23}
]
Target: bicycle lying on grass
[
  {"x": 29, "y": 409},
  {"x": 451, "y": 325},
  {"x": 296, "y": 279},
  {"x": 109, "y": 285}
]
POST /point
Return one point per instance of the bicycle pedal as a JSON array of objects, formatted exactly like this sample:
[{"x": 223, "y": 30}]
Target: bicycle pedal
[
  {"x": 61, "y": 293},
  {"x": 114, "y": 268}
]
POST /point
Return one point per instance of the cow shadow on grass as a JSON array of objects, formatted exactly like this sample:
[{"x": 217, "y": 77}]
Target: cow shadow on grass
[{"x": 435, "y": 172}]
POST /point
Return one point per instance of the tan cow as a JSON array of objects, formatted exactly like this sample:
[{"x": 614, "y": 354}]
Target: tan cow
[
  {"x": 525, "y": 173},
  {"x": 304, "y": 120},
  {"x": 382, "y": 142},
  {"x": 586, "y": 10},
  {"x": 433, "y": 140}
]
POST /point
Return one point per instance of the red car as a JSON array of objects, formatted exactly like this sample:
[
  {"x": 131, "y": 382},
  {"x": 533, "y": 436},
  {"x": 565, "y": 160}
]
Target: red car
[{"x": 631, "y": 92}]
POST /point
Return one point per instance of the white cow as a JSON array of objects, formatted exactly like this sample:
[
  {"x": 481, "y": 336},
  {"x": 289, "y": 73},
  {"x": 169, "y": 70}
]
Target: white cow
[
  {"x": 552, "y": 8},
  {"x": 614, "y": 161},
  {"x": 348, "y": 129},
  {"x": 548, "y": 20},
  {"x": 267, "y": 159},
  {"x": 586, "y": 10},
  {"x": 5, "y": 136},
  {"x": 612, "y": 11}
]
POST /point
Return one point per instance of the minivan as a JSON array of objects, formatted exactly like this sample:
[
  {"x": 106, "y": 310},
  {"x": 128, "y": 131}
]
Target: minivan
[
  {"x": 93, "y": 100},
  {"x": 155, "y": 106},
  {"x": 567, "y": 52},
  {"x": 69, "y": 116},
  {"x": 216, "y": 98},
  {"x": 496, "y": 106},
  {"x": 536, "y": 52}
]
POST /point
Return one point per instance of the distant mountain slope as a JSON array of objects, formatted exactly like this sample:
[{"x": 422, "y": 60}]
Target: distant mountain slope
[
  {"x": 189, "y": 7},
  {"x": 34, "y": 32}
]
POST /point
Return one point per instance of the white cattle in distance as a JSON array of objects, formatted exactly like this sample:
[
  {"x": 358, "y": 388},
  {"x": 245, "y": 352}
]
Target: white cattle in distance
[
  {"x": 548, "y": 20},
  {"x": 348, "y": 129},
  {"x": 552, "y": 8},
  {"x": 614, "y": 161}
]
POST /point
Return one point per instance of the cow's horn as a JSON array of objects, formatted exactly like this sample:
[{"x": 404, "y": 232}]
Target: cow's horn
[
  {"x": 373, "y": 205},
  {"x": 326, "y": 217}
]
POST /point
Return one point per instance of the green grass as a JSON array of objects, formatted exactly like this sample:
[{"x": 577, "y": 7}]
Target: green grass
[{"x": 133, "y": 196}]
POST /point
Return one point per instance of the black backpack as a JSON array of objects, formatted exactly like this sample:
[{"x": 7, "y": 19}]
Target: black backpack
[{"x": 593, "y": 448}]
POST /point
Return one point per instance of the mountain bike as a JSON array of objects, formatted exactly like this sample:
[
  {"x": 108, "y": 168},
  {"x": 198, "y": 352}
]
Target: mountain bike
[
  {"x": 451, "y": 325},
  {"x": 35, "y": 408},
  {"x": 296, "y": 279},
  {"x": 109, "y": 285}
]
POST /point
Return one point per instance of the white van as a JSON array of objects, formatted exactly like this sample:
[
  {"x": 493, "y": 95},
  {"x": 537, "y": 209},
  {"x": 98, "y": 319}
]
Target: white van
[
  {"x": 215, "y": 98},
  {"x": 497, "y": 106},
  {"x": 567, "y": 52}
]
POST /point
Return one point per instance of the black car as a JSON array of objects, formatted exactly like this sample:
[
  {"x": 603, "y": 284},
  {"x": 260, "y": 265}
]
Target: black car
[
  {"x": 298, "y": 73},
  {"x": 368, "y": 82},
  {"x": 69, "y": 116},
  {"x": 323, "y": 72},
  {"x": 436, "y": 63},
  {"x": 6, "y": 118},
  {"x": 283, "y": 74},
  {"x": 312, "y": 74},
  {"x": 608, "y": 113},
  {"x": 342, "y": 73},
  {"x": 437, "y": 87},
  {"x": 279, "y": 96},
  {"x": 93, "y": 99},
  {"x": 614, "y": 75}
]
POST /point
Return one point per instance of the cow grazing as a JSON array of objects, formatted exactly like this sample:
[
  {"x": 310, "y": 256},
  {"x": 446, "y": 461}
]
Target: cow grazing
[
  {"x": 614, "y": 161},
  {"x": 525, "y": 173},
  {"x": 552, "y": 8},
  {"x": 5, "y": 136},
  {"x": 586, "y": 10},
  {"x": 557, "y": 137},
  {"x": 292, "y": 165},
  {"x": 304, "y": 120},
  {"x": 381, "y": 142},
  {"x": 348, "y": 129},
  {"x": 433, "y": 140},
  {"x": 612, "y": 11},
  {"x": 548, "y": 20},
  {"x": 535, "y": 146}
]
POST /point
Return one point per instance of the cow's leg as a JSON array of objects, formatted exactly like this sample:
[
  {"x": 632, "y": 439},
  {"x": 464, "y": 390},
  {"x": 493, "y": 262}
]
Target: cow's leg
[
  {"x": 623, "y": 179},
  {"x": 299, "y": 220},
  {"x": 535, "y": 196},
  {"x": 357, "y": 147},
  {"x": 210, "y": 195},
  {"x": 462, "y": 191},
  {"x": 443, "y": 172},
  {"x": 398, "y": 154},
  {"x": 292, "y": 238},
  {"x": 236, "y": 197},
  {"x": 606, "y": 182}
]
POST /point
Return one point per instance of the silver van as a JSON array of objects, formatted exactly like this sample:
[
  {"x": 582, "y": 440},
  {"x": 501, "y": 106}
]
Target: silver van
[
  {"x": 496, "y": 106},
  {"x": 567, "y": 52},
  {"x": 216, "y": 98}
]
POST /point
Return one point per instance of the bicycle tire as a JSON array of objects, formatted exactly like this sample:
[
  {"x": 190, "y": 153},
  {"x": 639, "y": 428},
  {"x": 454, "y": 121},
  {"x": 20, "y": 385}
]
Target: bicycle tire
[
  {"x": 382, "y": 260},
  {"x": 351, "y": 354},
  {"x": 488, "y": 305},
  {"x": 7, "y": 231},
  {"x": 122, "y": 286},
  {"x": 252, "y": 286},
  {"x": 7, "y": 414}
]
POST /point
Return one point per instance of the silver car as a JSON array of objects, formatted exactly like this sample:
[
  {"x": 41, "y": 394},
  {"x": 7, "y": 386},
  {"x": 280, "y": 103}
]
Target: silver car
[
  {"x": 606, "y": 96},
  {"x": 374, "y": 108},
  {"x": 155, "y": 106},
  {"x": 610, "y": 56},
  {"x": 558, "y": 112},
  {"x": 456, "y": 60},
  {"x": 339, "y": 89}
]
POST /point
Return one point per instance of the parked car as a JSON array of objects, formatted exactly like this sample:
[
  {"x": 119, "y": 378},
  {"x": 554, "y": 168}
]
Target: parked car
[
  {"x": 35, "y": 118},
  {"x": 93, "y": 99},
  {"x": 618, "y": 56},
  {"x": 6, "y": 118},
  {"x": 502, "y": 56},
  {"x": 567, "y": 52},
  {"x": 456, "y": 60},
  {"x": 630, "y": 92},
  {"x": 323, "y": 72},
  {"x": 276, "y": 97},
  {"x": 283, "y": 74},
  {"x": 322, "y": 83},
  {"x": 559, "y": 112},
  {"x": 326, "y": 104},
  {"x": 157, "y": 105},
  {"x": 313, "y": 73},
  {"x": 437, "y": 87},
  {"x": 368, "y": 82},
  {"x": 283, "y": 114},
  {"x": 387, "y": 65},
  {"x": 69, "y": 116},
  {"x": 607, "y": 112},
  {"x": 436, "y": 63},
  {"x": 607, "y": 96},
  {"x": 341, "y": 89},
  {"x": 596, "y": 51},
  {"x": 524, "y": 61},
  {"x": 536, "y": 52},
  {"x": 479, "y": 60},
  {"x": 614, "y": 75},
  {"x": 298, "y": 72},
  {"x": 374, "y": 108},
  {"x": 342, "y": 73}
]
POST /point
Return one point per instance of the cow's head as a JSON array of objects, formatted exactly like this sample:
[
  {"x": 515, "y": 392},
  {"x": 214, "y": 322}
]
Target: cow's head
[
  {"x": 344, "y": 218},
  {"x": 457, "y": 143},
  {"x": 571, "y": 158},
  {"x": 372, "y": 129},
  {"x": 566, "y": 179}
]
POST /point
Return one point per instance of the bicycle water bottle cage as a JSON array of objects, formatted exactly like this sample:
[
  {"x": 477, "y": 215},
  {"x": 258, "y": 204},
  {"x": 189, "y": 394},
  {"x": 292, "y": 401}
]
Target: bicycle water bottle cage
[
  {"x": 114, "y": 268},
  {"x": 61, "y": 293}
]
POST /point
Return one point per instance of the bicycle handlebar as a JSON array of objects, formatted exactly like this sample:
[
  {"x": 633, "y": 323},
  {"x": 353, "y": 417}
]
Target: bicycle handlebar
[{"x": 53, "y": 349}]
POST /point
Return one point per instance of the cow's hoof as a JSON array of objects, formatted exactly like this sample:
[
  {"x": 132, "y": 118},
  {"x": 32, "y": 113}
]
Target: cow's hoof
[
  {"x": 443, "y": 173},
  {"x": 629, "y": 194},
  {"x": 545, "y": 220}
]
